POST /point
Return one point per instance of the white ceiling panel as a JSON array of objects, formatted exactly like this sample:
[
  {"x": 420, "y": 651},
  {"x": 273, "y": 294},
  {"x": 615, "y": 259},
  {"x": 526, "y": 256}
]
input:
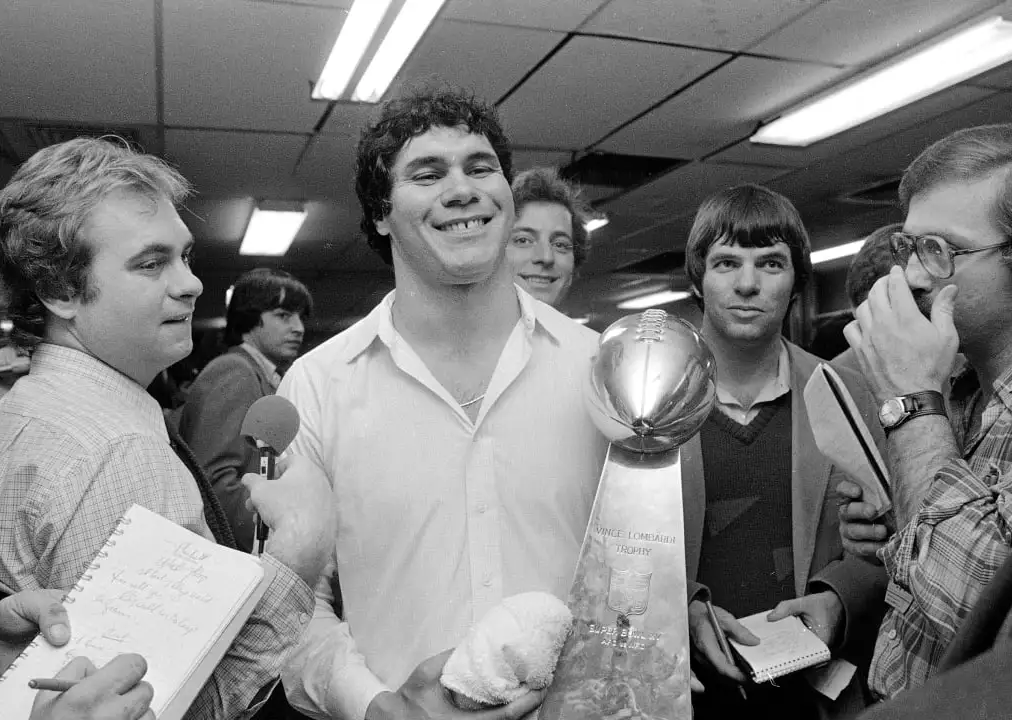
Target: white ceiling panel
[
  {"x": 855, "y": 32},
  {"x": 328, "y": 167},
  {"x": 234, "y": 164},
  {"x": 562, "y": 15},
  {"x": 526, "y": 159},
  {"x": 720, "y": 24},
  {"x": 594, "y": 84},
  {"x": 88, "y": 62},
  {"x": 720, "y": 108},
  {"x": 681, "y": 191},
  {"x": 488, "y": 59},
  {"x": 243, "y": 65},
  {"x": 937, "y": 104}
]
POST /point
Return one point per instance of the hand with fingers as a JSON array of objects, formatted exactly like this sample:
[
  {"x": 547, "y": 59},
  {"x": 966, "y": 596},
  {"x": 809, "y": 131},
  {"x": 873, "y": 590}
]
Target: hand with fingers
[
  {"x": 706, "y": 645},
  {"x": 26, "y": 613},
  {"x": 116, "y": 692},
  {"x": 422, "y": 697},
  {"x": 900, "y": 350},
  {"x": 862, "y": 533},
  {"x": 822, "y": 612}
]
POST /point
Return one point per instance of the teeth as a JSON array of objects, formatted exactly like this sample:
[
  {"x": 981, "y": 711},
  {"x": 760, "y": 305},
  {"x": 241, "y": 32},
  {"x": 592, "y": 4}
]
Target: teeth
[{"x": 464, "y": 226}]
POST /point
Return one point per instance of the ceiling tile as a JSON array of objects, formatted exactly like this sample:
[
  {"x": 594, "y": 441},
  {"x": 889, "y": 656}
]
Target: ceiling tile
[
  {"x": 720, "y": 24},
  {"x": 856, "y": 32},
  {"x": 242, "y": 65},
  {"x": 89, "y": 62},
  {"x": 328, "y": 167},
  {"x": 488, "y": 59},
  {"x": 592, "y": 85},
  {"x": 562, "y": 15},
  {"x": 680, "y": 192},
  {"x": 235, "y": 164},
  {"x": 1000, "y": 77},
  {"x": 526, "y": 159},
  {"x": 721, "y": 108},
  {"x": 870, "y": 131}
]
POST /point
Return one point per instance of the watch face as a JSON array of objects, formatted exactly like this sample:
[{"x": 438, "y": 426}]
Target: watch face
[{"x": 891, "y": 412}]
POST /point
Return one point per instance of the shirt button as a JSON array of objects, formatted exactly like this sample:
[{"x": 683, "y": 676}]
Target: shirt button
[
  {"x": 482, "y": 507},
  {"x": 892, "y": 634},
  {"x": 487, "y": 581},
  {"x": 303, "y": 618}
]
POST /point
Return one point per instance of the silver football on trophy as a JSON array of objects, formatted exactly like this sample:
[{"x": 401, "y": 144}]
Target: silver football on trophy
[{"x": 652, "y": 383}]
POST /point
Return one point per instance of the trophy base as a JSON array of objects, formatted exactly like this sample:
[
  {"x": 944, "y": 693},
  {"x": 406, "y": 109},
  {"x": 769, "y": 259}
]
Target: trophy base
[{"x": 628, "y": 654}]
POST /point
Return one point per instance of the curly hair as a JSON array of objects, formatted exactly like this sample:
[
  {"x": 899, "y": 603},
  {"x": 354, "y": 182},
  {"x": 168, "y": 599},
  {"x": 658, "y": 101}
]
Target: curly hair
[
  {"x": 873, "y": 260},
  {"x": 42, "y": 210},
  {"x": 401, "y": 120},
  {"x": 748, "y": 216},
  {"x": 261, "y": 290},
  {"x": 965, "y": 155},
  {"x": 545, "y": 185}
]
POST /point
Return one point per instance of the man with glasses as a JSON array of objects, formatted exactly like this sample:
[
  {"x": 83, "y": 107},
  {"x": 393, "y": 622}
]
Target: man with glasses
[{"x": 950, "y": 462}]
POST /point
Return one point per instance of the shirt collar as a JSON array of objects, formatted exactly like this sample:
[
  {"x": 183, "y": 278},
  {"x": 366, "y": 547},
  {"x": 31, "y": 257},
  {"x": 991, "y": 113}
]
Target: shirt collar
[
  {"x": 270, "y": 368},
  {"x": 64, "y": 363},
  {"x": 777, "y": 386},
  {"x": 379, "y": 323},
  {"x": 965, "y": 383}
]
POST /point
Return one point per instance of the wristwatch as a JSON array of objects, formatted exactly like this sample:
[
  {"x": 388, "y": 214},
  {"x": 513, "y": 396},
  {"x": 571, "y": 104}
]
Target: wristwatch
[{"x": 896, "y": 411}]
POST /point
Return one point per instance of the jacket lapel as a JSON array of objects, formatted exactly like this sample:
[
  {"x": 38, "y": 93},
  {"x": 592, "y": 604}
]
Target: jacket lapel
[
  {"x": 693, "y": 503},
  {"x": 809, "y": 470}
]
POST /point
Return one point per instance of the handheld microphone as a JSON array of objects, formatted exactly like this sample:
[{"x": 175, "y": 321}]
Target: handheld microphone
[{"x": 273, "y": 423}]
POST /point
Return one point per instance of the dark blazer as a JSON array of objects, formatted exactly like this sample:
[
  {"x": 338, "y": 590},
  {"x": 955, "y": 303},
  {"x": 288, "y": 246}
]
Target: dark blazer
[
  {"x": 210, "y": 421},
  {"x": 819, "y": 559},
  {"x": 974, "y": 678}
]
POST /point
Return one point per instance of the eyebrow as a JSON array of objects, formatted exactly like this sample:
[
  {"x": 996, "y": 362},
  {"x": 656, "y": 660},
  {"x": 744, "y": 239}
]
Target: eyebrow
[
  {"x": 533, "y": 231},
  {"x": 160, "y": 249},
  {"x": 438, "y": 160}
]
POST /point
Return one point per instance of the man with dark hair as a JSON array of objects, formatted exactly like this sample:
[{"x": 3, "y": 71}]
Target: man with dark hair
[
  {"x": 872, "y": 261},
  {"x": 96, "y": 263},
  {"x": 949, "y": 434},
  {"x": 265, "y": 326},
  {"x": 450, "y": 421},
  {"x": 760, "y": 515},
  {"x": 549, "y": 239}
]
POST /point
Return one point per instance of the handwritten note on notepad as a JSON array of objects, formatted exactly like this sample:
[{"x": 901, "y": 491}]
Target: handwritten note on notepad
[
  {"x": 784, "y": 646},
  {"x": 156, "y": 589}
]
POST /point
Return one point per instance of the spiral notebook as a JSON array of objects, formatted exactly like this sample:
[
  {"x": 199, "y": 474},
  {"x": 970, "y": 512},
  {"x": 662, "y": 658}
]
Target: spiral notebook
[
  {"x": 785, "y": 646},
  {"x": 156, "y": 589}
]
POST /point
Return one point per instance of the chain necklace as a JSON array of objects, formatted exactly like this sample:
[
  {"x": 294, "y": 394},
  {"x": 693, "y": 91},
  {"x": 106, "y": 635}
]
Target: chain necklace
[{"x": 472, "y": 401}]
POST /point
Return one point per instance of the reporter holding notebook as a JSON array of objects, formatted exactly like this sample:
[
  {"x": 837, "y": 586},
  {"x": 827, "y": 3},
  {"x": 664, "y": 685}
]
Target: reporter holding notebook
[{"x": 95, "y": 264}]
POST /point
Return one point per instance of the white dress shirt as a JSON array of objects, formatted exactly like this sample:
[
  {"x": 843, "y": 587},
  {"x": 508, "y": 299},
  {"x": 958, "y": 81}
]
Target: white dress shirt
[{"x": 439, "y": 518}]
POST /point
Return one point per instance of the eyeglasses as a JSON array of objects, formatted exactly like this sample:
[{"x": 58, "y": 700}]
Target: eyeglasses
[{"x": 934, "y": 252}]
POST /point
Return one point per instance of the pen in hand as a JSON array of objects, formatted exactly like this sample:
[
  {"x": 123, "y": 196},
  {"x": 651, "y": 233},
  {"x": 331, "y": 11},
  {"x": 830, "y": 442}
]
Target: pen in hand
[
  {"x": 54, "y": 684},
  {"x": 725, "y": 646}
]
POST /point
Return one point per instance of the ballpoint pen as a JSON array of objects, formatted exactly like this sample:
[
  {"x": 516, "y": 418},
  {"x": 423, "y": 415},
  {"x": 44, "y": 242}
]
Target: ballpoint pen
[{"x": 725, "y": 646}]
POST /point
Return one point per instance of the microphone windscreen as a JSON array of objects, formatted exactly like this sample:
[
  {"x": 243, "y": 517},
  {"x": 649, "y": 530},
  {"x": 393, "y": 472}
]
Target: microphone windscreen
[{"x": 273, "y": 421}]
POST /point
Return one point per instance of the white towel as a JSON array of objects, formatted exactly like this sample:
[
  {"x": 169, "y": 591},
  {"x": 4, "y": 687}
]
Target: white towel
[{"x": 509, "y": 652}]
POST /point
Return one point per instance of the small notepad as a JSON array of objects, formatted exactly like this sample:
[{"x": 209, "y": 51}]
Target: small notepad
[
  {"x": 156, "y": 589},
  {"x": 785, "y": 646}
]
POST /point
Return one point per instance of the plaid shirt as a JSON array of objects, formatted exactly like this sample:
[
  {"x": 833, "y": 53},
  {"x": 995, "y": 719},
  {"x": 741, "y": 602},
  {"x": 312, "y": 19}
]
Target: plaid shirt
[
  {"x": 953, "y": 546},
  {"x": 79, "y": 444}
]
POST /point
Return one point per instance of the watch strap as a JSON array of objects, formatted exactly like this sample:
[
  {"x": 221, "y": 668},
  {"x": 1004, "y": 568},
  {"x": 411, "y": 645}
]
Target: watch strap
[{"x": 926, "y": 402}]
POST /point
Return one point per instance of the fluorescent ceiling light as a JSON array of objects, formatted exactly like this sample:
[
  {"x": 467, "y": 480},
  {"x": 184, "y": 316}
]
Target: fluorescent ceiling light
[
  {"x": 228, "y": 295},
  {"x": 653, "y": 299},
  {"x": 595, "y": 224},
  {"x": 915, "y": 75},
  {"x": 582, "y": 320},
  {"x": 271, "y": 232},
  {"x": 838, "y": 251},
  {"x": 409, "y": 26},
  {"x": 352, "y": 41}
]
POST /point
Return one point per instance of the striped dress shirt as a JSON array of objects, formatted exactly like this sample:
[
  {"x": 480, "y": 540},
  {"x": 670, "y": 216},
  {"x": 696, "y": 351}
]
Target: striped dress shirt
[{"x": 79, "y": 444}]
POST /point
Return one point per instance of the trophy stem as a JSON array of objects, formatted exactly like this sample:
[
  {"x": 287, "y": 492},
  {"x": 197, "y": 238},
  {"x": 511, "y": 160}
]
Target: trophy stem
[{"x": 628, "y": 653}]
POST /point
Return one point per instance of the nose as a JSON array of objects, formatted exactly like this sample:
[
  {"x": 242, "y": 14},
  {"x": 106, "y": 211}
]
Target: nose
[
  {"x": 296, "y": 323},
  {"x": 543, "y": 253},
  {"x": 188, "y": 285},
  {"x": 917, "y": 277},
  {"x": 461, "y": 190},
  {"x": 746, "y": 280}
]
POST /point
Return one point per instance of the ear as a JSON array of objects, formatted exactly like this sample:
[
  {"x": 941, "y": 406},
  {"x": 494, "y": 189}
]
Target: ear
[{"x": 65, "y": 307}]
